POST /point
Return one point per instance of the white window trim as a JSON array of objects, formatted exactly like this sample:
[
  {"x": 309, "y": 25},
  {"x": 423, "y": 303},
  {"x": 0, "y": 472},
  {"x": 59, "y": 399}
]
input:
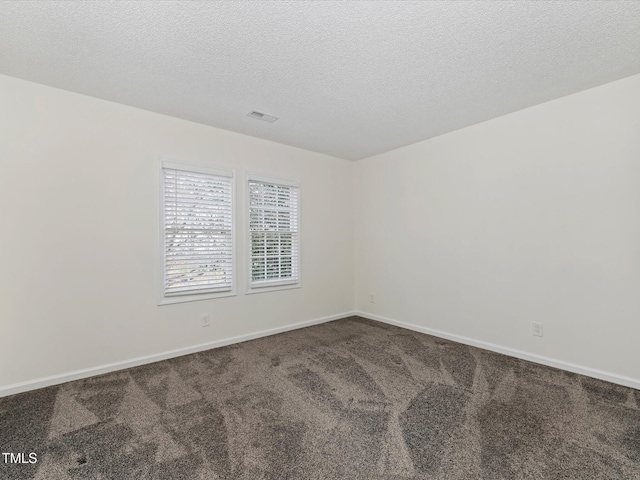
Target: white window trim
[
  {"x": 174, "y": 298},
  {"x": 272, "y": 286}
]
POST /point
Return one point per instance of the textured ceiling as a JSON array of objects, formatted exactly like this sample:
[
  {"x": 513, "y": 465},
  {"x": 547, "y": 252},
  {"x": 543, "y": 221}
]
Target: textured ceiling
[{"x": 351, "y": 79}]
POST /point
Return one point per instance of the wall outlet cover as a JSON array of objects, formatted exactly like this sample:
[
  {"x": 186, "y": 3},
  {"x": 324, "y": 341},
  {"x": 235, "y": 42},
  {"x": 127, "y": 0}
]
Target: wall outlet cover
[{"x": 537, "y": 329}]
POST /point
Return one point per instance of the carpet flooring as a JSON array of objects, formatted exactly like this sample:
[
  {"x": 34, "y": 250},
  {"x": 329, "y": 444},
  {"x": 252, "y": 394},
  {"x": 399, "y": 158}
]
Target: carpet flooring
[{"x": 349, "y": 399}]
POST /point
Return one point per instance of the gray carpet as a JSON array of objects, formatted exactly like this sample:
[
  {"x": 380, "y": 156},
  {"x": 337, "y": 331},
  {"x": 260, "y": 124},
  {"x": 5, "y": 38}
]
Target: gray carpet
[{"x": 350, "y": 399}]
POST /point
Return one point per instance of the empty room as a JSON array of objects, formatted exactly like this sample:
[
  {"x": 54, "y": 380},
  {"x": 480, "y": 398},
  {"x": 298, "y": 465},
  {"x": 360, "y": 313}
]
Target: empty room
[{"x": 319, "y": 240}]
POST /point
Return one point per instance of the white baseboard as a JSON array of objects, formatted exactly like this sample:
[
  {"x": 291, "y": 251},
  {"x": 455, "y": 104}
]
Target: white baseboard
[
  {"x": 550, "y": 362},
  {"x": 135, "y": 362},
  {"x": 112, "y": 367}
]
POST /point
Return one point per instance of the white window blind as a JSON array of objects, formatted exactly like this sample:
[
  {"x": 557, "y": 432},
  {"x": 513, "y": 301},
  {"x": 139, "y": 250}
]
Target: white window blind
[
  {"x": 198, "y": 231},
  {"x": 273, "y": 230}
]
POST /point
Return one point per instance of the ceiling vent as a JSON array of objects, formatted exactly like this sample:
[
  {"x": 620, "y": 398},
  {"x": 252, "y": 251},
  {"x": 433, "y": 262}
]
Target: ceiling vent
[{"x": 262, "y": 116}]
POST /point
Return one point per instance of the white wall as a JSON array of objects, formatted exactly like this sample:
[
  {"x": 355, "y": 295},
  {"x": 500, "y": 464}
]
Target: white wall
[
  {"x": 78, "y": 234},
  {"x": 533, "y": 216}
]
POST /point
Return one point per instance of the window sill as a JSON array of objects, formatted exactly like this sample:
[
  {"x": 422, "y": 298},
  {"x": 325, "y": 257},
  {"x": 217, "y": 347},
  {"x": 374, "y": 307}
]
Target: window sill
[
  {"x": 272, "y": 288},
  {"x": 195, "y": 297}
]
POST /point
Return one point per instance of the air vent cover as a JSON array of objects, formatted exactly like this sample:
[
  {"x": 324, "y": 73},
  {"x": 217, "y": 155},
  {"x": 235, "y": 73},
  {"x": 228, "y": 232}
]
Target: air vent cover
[{"x": 262, "y": 116}]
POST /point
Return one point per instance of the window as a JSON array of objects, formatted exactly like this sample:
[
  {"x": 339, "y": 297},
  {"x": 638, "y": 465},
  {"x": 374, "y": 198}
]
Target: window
[
  {"x": 273, "y": 233},
  {"x": 197, "y": 232}
]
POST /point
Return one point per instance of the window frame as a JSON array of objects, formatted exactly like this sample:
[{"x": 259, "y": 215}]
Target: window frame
[
  {"x": 274, "y": 285},
  {"x": 182, "y": 297}
]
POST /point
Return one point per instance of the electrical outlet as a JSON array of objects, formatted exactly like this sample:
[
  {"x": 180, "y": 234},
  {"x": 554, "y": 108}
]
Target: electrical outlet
[
  {"x": 537, "y": 329},
  {"x": 372, "y": 298},
  {"x": 205, "y": 320}
]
